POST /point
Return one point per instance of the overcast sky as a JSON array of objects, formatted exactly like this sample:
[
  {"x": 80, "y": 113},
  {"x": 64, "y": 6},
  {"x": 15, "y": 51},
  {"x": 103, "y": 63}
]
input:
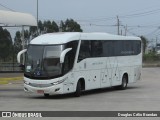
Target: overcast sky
[{"x": 141, "y": 16}]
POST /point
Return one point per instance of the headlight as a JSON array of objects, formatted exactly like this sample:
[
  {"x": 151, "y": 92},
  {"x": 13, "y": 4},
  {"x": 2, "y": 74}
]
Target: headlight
[
  {"x": 59, "y": 81},
  {"x": 25, "y": 82}
]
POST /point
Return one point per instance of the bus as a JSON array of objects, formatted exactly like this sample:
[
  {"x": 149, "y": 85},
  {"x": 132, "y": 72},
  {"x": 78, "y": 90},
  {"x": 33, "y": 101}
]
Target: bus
[{"x": 72, "y": 62}]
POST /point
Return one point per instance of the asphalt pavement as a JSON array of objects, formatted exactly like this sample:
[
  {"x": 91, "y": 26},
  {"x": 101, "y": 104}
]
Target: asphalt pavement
[
  {"x": 141, "y": 96},
  {"x": 10, "y": 75}
]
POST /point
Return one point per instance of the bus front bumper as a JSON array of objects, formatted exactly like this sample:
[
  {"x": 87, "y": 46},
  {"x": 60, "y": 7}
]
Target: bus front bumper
[{"x": 51, "y": 90}]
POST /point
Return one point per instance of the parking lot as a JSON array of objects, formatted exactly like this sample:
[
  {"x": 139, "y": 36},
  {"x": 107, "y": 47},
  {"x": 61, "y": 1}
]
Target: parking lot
[{"x": 141, "y": 96}]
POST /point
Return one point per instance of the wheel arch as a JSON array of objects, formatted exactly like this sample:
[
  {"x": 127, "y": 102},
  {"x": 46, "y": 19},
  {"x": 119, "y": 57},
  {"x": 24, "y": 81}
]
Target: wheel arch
[
  {"x": 82, "y": 80},
  {"x": 126, "y": 75},
  {"x": 80, "y": 86}
]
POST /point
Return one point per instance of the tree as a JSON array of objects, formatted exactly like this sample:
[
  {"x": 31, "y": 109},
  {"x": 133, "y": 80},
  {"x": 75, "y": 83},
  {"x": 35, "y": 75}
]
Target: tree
[
  {"x": 70, "y": 26},
  {"x": 40, "y": 27},
  {"x": 43, "y": 27},
  {"x": 33, "y": 32},
  {"x": 17, "y": 42},
  {"x": 144, "y": 43},
  {"x": 50, "y": 27},
  {"x": 55, "y": 26},
  {"x": 26, "y": 35},
  {"x": 46, "y": 27},
  {"x": 5, "y": 44}
]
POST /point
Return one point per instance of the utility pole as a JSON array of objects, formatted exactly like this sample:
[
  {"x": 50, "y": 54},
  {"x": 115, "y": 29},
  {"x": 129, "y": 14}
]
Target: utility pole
[
  {"x": 121, "y": 32},
  {"x": 156, "y": 43},
  {"x": 118, "y": 24},
  {"x": 156, "y": 40},
  {"x": 23, "y": 44},
  {"x": 126, "y": 30}
]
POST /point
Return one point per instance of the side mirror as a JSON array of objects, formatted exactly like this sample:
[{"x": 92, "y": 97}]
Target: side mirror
[
  {"x": 64, "y": 52},
  {"x": 19, "y": 55}
]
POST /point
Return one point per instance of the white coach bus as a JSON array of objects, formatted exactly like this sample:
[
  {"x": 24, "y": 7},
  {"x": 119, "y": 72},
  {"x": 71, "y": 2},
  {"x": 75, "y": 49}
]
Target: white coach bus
[{"x": 59, "y": 63}]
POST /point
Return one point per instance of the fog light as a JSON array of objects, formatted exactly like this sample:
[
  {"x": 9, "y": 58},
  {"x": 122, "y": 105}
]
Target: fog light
[
  {"x": 25, "y": 89},
  {"x": 57, "y": 89},
  {"x": 26, "y": 82}
]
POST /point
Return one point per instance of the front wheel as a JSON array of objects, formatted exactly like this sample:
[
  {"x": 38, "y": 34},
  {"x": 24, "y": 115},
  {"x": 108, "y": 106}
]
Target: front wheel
[
  {"x": 123, "y": 86},
  {"x": 78, "y": 89}
]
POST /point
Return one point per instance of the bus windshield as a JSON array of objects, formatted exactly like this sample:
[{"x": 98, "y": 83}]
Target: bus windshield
[{"x": 43, "y": 61}]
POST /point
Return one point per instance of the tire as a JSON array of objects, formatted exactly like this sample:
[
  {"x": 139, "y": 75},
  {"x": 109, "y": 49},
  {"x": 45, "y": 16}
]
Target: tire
[
  {"x": 123, "y": 86},
  {"x": 78, "y": 89},
  {"x": 46, "y": 95}
]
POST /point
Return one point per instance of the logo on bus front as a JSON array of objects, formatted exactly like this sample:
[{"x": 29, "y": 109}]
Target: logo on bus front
[{"x": 38, "y": 73}]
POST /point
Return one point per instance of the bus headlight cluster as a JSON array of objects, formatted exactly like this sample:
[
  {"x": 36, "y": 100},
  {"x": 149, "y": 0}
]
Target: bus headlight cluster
[
  {"x": 59, "y": 81},
  {"x": 26, "y": 82}
]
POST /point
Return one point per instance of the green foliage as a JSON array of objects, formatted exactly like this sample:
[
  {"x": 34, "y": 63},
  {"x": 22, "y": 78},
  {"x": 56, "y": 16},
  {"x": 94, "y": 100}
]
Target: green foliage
[
  {"x": 144, "y": 43},
  {"x": 40, "y": 26},
  {"x": 43, "y": 27},
  {"x": 9, "y": 50},
  {"x": 70, "y": 26},
  {"x": 50, "y": 27},
  {"x": 151, "y": 57},
  {"x": 55, "y": 27},
  {"x": 5, "y": 44},
  {"x": 33, "y": 31},
  {"x": 26, "y": 34},
  {"x": 17, "y": 42}
]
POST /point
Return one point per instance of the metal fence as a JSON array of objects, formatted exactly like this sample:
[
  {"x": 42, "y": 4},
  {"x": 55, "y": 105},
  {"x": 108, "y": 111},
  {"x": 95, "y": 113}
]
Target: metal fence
[{"x": 10, "y": 67}]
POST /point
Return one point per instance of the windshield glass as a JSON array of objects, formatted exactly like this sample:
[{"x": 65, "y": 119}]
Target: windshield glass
[
  {"x": 51, "y": 63},
  {"x": 43, "y": 61}
]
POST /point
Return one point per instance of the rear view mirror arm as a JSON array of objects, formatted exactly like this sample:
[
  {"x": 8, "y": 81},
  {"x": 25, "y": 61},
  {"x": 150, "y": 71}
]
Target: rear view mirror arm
[
  {"x": 63, "y": 54},
  {"x": 19, "y": 55}
]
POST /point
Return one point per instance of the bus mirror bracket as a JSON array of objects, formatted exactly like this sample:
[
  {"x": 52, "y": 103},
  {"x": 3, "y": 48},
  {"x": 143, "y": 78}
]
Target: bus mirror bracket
[
  {"x": 19, "y": 55},
  {"x": 64, "y": 52}
]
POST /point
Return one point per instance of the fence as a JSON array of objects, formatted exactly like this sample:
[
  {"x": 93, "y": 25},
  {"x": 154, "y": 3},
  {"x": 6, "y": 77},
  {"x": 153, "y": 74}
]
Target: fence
[{"x": 10, "y": 67}]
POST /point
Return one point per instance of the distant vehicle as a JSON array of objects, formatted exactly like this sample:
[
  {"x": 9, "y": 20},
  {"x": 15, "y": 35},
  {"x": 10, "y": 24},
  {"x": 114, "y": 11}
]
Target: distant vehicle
[{"x": 59, "y": 63}]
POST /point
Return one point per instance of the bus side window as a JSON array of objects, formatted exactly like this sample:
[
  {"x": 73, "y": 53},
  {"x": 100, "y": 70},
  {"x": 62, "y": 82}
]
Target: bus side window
[
  {"x": 70, "y": 56},
  {"x": 67, "y": 63},
  {"x": 85, "y": 50},
  {"x": 97, "y": 48}
]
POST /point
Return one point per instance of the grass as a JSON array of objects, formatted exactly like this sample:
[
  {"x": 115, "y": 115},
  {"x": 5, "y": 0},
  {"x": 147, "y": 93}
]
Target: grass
[{"x": 7, "y": 80}]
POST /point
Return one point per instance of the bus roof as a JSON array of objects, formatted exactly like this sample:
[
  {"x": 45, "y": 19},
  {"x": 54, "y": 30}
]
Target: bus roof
[{"x": 64, "y": 37}]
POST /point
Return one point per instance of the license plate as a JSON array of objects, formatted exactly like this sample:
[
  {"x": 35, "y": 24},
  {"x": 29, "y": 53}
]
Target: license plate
[{"x": 40, "y": 91}]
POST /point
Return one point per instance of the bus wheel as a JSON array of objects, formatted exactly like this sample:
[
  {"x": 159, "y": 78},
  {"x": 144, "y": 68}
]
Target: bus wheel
[
  {"x": 46, "y": 95},
  {"x": 78, "y": 89},
  {"x": 123, "y": 86}
]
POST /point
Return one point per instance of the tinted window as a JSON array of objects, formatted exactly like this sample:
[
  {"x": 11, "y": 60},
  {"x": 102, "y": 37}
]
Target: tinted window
[
  {"x": 96, "y": 48},
  {"x": 70, "y": 56},
  {"x": 85, "y": 50},
  {"x": 121, "y": 48},
  {"x": 108, "y": 48}
]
